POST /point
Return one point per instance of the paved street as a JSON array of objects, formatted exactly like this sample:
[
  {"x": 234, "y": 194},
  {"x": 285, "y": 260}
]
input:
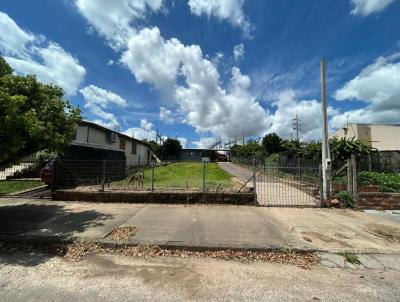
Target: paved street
[
  {"x": 210, "y": 226},
  {"x": 35, "y": 277}
]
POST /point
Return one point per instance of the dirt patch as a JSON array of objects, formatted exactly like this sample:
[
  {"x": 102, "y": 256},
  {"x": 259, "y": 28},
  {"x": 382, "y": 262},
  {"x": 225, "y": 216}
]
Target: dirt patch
[
  {"x": 389, "y": 233},
  {"x": 122, "y": 233},
  {"x": 77, "y": 250}
]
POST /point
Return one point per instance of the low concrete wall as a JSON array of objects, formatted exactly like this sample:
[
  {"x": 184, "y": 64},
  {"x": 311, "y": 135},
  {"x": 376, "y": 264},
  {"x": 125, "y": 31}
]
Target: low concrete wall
[
  {"x": 157, "y": 197},
  {"x": 379, "y": 201}
]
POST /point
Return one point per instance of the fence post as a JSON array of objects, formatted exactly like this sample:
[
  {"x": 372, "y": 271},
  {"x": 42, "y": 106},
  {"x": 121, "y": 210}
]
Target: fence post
[
  {"x": 152, "y": 175},
  {"x": 103, "y": 179},
  {"x": 204, "y": 174},
  {"x": 56, "y": 171},
  {"x": 321, "y": 183},
  {"x": 349, "y": 177},
  {"x": 354, "y": 178},
  {"x": 139, "y": 162},
  {"x": 254, "y": 180}
]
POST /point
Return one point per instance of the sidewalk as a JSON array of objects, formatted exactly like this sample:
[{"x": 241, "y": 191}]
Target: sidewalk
[{"x": 200, "y": 226}]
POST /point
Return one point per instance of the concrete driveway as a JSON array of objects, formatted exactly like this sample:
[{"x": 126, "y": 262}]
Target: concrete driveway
[
  {"x": 275, "y": 191},
  {"x": 203, "y": 226}
]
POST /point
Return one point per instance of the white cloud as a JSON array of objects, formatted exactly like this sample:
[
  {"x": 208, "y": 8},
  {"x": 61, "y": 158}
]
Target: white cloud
[
  {"x": 199, "y": 97},
  {"x": 181, "y": 73},
  {"x": 97, "y": 100},
  {"x": 238, "y": 51},
  {"x": 144, "y": 132},
  {"x": 166, "y": 115},
  {"x": 309, "y": 113},
  {"x": 113, "y": 19},
  {"x": 183, "y": 141},
  {"x": 30, "y": 54},
  {"x": 205, "y": 142},
  {"x": 13, "y": 40},
  {"x": 377, "y": 85},
  {"x": 146, "y": 125},
  {"x": 231, "y": 10},
  {"x": 368, "y": 7}
]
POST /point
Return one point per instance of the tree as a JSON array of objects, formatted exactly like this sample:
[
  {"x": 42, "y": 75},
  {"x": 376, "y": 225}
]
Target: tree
[
  {"x": 272, "y": 143},
  {"x": 33, "y": 116},
  {"x": 5, "y": 69},
  {"x": 343, "y": 148},
  {"x": 313, "y": 150},
  {"x": 171, "y": 149}
]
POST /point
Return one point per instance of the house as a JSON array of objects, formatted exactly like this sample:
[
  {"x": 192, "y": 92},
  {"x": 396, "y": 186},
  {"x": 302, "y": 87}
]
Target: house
[
  {"x": 199, "y": 154},
  {"x": 383, "y": 137},
  {"x": 94, "y": 136}
]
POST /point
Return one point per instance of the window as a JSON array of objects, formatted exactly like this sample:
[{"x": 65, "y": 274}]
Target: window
[
  {"x": 122, "y": 144},
  {"x": 133, "y": 148}
]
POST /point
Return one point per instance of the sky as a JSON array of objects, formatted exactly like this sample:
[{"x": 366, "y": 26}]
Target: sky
[{"x": 210, "y": 70}]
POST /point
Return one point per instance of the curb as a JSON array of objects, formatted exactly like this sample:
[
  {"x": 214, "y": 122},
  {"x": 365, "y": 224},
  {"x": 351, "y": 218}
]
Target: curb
[{"x": 34, "y": 239}]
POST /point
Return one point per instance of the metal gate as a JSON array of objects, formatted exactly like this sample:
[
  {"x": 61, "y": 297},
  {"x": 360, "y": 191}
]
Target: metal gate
[{"x": 290, "y": 186}]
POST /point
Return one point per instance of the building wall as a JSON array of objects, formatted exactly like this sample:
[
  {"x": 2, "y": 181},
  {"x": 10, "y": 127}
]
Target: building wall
[
  {"x": 140, "y": 158},
  {"x": 352, "y": 131},
  {"x": 97, "y": 137},
  {"x": 385, "y": 138},
  {"x": 381, "y": 137}
]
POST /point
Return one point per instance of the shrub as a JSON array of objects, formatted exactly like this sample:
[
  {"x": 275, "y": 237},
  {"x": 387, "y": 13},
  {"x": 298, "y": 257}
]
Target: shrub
[
  {"x": 386, "y": 182},
  {"x": 346, "y": 201}
]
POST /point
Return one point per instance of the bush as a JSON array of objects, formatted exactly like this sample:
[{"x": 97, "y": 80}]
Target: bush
[
  {"x": 346, "y": 201},
  {"x": 386, "y": 182}
]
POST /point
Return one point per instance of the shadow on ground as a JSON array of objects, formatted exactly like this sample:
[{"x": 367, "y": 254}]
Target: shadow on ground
[{"x": 31, "y": 222}]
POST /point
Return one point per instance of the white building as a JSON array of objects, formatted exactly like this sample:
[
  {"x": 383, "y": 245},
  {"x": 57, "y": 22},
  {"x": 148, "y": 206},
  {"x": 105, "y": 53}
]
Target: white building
[
  {"x": 382, "y": 137},
  {"x": 137, "y": 152}
]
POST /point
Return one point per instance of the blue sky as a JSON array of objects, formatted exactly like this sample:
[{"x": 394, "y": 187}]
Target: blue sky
[{"x": 205, "y": 70}]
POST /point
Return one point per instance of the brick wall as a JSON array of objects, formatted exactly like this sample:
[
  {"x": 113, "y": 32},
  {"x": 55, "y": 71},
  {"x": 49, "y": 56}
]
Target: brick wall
[
  {"x": 379, "y": 201},
  {"x": 157, "y": 197}
]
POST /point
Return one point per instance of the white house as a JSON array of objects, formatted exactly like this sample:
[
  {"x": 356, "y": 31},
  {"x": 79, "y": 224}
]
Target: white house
[
  {"x": 137, "y": 152},
  {"x": 383, "y": 137}
]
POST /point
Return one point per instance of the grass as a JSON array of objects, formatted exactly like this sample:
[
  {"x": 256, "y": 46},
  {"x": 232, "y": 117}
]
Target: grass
[
  {"x": 185, "y": 175},
  {"x": 351, "y": 258},
  {"x": 13, "y": 186}
]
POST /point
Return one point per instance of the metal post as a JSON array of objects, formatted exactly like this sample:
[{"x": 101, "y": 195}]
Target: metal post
[
  {"x": 326, "y": 157},
  {"x": 349, "y": 177},
  {"x": 56, "y": 171},
  {"x": 255, "y": 180},
  {"x": 204, "y": 175},
  {"x": 103, "y": 178},
  {"x": 139, "y": 162},
  {"x": 354, "y": 178},
  {"x": 152, "y": 175}
]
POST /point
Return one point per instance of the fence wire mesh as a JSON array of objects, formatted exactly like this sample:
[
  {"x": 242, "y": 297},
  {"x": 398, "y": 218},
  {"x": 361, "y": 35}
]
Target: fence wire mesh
[
  {"x": 120, "y": 175},
  {"x": 288, "y": 185}
]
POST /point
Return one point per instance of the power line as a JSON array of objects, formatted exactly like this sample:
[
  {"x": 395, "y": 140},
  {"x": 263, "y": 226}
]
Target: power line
[{"x": 296, "y": 126}]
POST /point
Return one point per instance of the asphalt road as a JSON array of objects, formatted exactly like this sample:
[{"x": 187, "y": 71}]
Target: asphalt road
[{"x": 33, "y": 277}]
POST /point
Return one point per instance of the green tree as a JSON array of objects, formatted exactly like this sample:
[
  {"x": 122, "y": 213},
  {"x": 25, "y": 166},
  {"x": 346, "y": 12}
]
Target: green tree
[
  {"x": 171, "y": 149},
  {"x": 33, "y": 116},
  {"x": 251, "y": 149},
  {"x": 272, "y": 143},
  {"x": 313, "y": 150},
  {"x": 343, "y": 148}
]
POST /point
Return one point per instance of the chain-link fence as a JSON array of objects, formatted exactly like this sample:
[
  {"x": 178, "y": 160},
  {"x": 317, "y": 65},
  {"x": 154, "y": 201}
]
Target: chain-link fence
[
  {"x": 283, "y": 184},
  {"x": 151, "y": 176}
]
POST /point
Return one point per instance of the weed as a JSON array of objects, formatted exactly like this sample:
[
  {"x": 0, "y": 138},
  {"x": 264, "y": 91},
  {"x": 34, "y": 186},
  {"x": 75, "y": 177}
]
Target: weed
[{"x": 351, "y": 258}]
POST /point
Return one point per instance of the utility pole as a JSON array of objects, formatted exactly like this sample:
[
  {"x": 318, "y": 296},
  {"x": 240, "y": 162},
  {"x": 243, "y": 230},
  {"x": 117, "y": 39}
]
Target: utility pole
[
  {"x": 296, "y": 126},
  {"x": 326, "y": 156},
  {"x": 243, "y": 138}
]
